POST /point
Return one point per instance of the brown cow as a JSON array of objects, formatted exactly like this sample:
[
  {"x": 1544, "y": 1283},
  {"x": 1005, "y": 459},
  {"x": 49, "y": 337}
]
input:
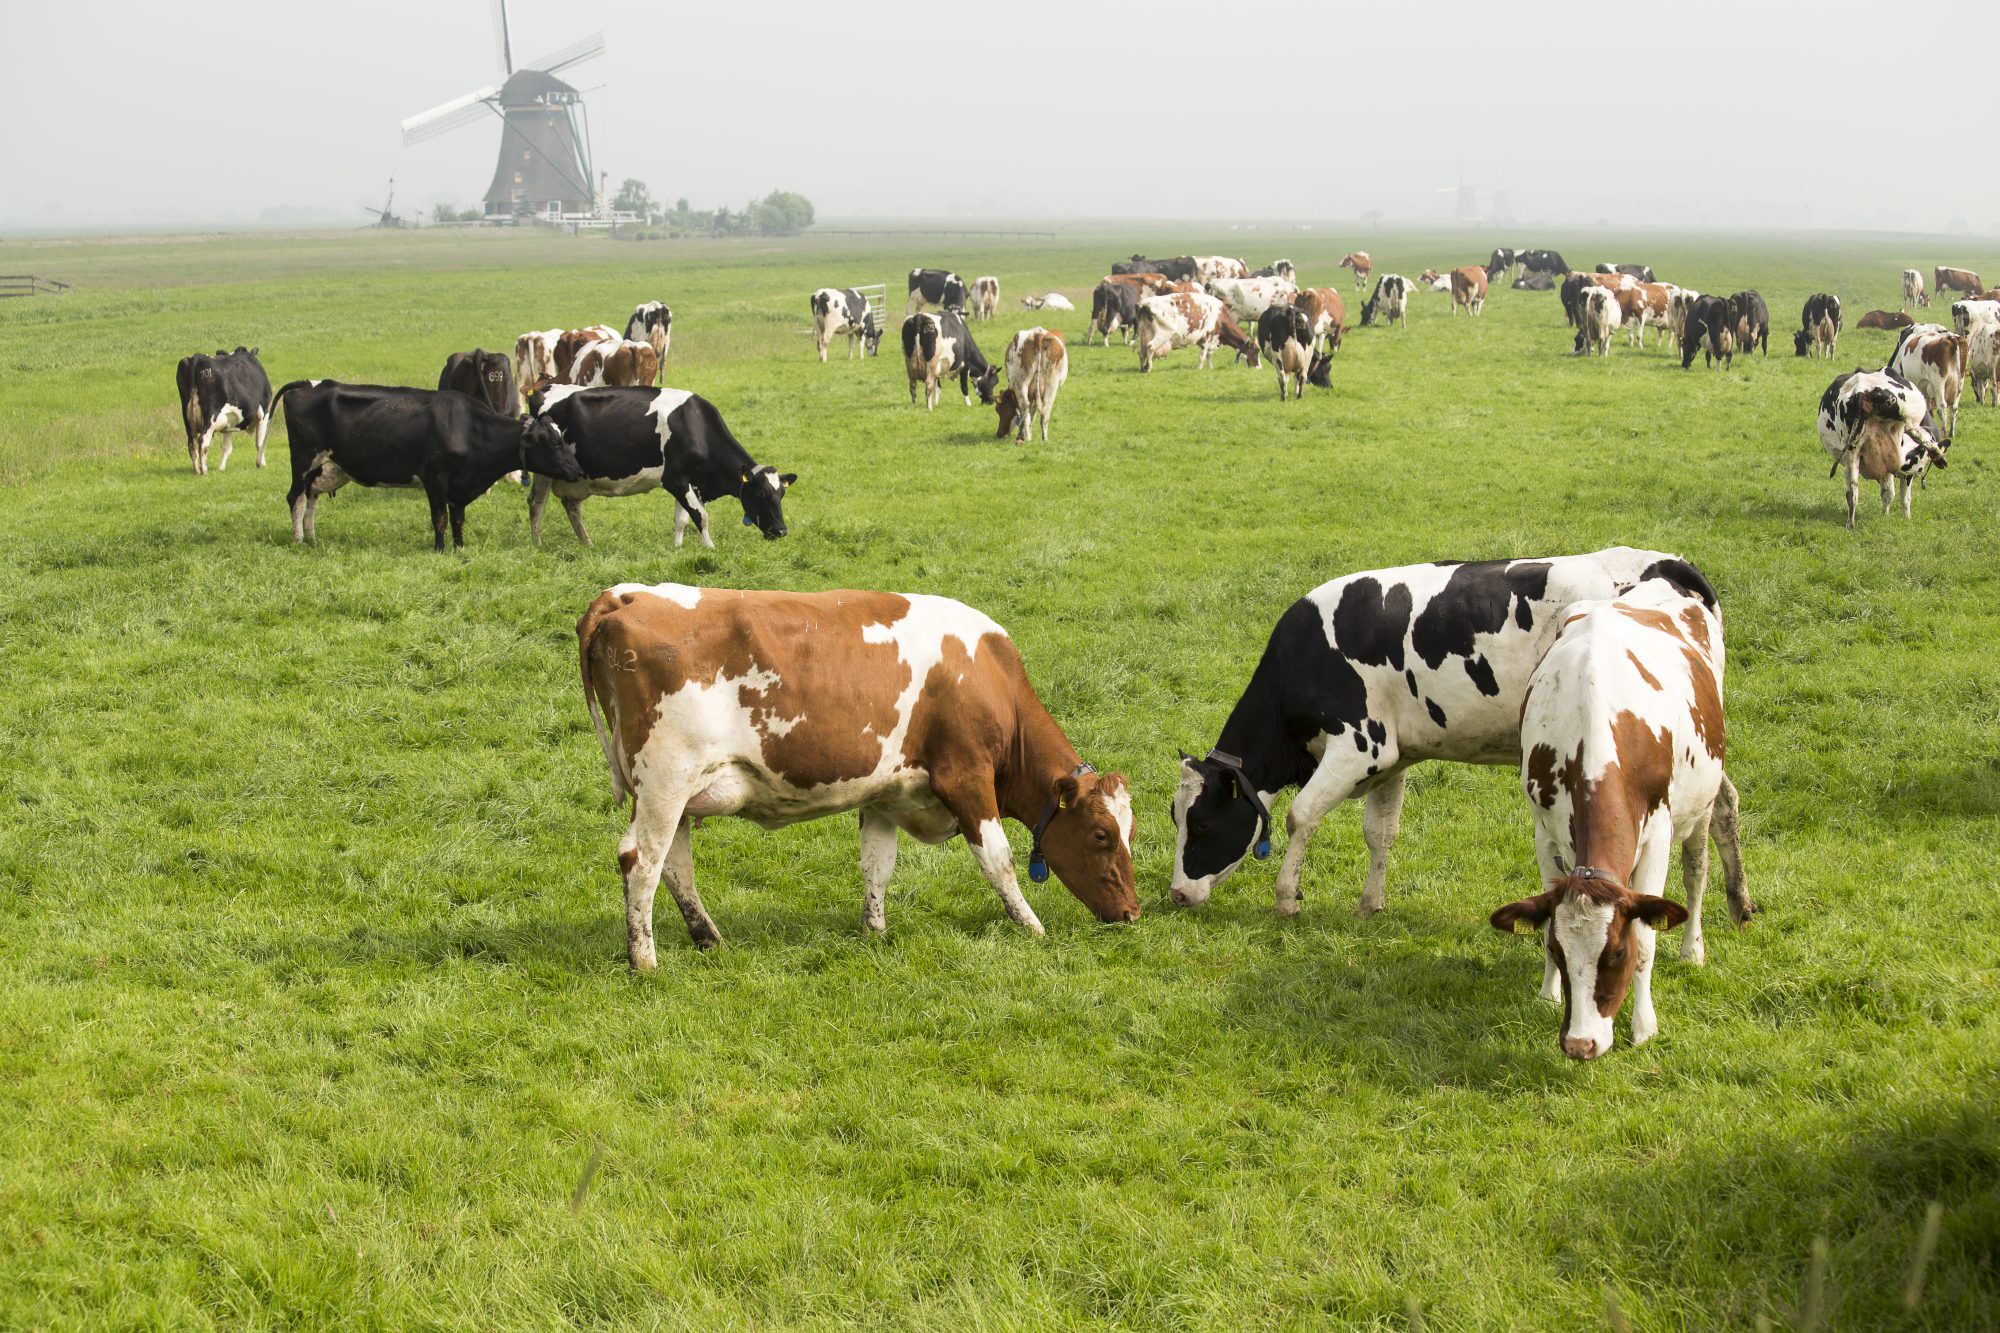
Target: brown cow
[
  {"x": 621, "y": 363},
  {"x": 1362, "y": 266},
  {"x": 1955, "y": 280},
  {"x": 1468, "y": 288},
  {"x": 572, "y": 343},
  {"x": 1884, "y": 319},
  {"x": 1037, "y": 364},
  {"x": 781, "y": 707},
  {"x": 1326, "y": 311},
  {"x": 1641, "y": 304}
]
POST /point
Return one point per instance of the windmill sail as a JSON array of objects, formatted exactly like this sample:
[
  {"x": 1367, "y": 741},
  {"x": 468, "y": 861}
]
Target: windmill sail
[
  {"x": 459, "y": 111},
  {"x": 555, "y": 62}
]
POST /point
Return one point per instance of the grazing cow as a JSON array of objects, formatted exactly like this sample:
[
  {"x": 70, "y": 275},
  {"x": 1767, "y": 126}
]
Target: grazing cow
[
  {"x": 935, "y": 286},
  {"x": 1955, "y": 280},
  {"x": 1390, "y": 301},
  {"x": 1542, "y": 261},
  {"x": 453, "y": 446},
  {"x": 1679, "y": 303},
  {"x": 226, "y": 392},
  {"x": 570, "y": 346},
  {"x": 1876, "y": 424},
  {"x": 1188, "y": 319},
  {"x": 622, "y": 363},
  {"x": 653, "y": 323},
  {"x": 1575, "y": 284},
  {"x": 1983, "y": 361},
  {"x": 1285, "y": 335},
  {"x": 1884, "y": 319},
  {"x": 1051, "y": 300},
  {"x": 1114, "y": 305},
  {"x": 838, "y": 310},
  {"x": 534, "y": 361},
  {"x": 1037, "y": 364},
  {"x": 1182, "y": 268},
  {"x": 1277, "y": 268},
  {"x": 1468, "y": 289},
  {"x": 1502, "y": 261},
  {"x": 1598, "y": 318},
  {"x": 1934, "y": 361},
  {"x": 1208, "y": 268},
  {"x": 1326, "y": 310},
  {"x": 1819, "y": 326},
  {"x": 628, "y": 441},
  {"x": 985, "y": 297},
  {"x": 1753, "y": 321},
  {"x": 1969, "y": 315},
  {"x": 781, "y": 707},
  {"x": 1535, "y": 282},
  {"x": 1623, "y": 733},
  {"x": 1710, "y": 330},
  {"x": 1642, "y": 272},
  {"x": 1369, "y": 674},
  {"x": 1247, "y": 298},
  {"x": 936, "y": 347},
  {"x": 1913, "y": 288},
  {"x": 482, "y": 375},
  {"x": 1362, "y": 265}
]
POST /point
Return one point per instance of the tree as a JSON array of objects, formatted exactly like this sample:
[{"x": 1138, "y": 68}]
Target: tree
[
  {"x": 634, "y": 197},
  {"x": 782, "y": 213}
]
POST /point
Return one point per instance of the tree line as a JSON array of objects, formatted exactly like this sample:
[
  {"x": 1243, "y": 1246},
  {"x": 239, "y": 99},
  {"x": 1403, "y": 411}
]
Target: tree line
[{"x": 779, "y": 213}]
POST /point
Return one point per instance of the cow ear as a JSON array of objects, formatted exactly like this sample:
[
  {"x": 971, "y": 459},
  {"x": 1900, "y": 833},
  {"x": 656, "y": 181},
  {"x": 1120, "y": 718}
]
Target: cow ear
[
  {"x": 1530, "y": 912},
  {"x": 1657, "y": 912},
  {"x": 1066, "y": 790},
  {"x": 787, "y": 478}
]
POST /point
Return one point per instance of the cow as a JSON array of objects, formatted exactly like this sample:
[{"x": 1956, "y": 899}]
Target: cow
[
  {"x": 1598, "y": 318},
  {"x": 1884, "y": 319},
  {"x": 1575, "y": 284},
  {"x": 1277, "y": 268},
  {"x": 1502, "y": 261},
  {"x": 1326, "y": 311},
  {"x": 935, "y": 286},
  {"x": 1535, "y": 282},
  {"x": 1542, "y": 261},
  {"x": 1955, "y": 280},
  {"x": 534, "y": 361},
  {"x": 1623, "y": 733},
  {"x": 622, "y": 363},
  {"x": 570, "y": 345},
  {"x": 1468, "y": 289},
  {"x": 1209, "y": 268},
  {"x": 1188, "y": 319},
  {"x": 1642, "y": 272},
  {"x": 226, "y": 392},
  {"x": 1037, "y": 364},
  {"x": 1934, "y": 361},
  {"x": 653, "y": 323},
  {"x": 1362, "y": 265},
  {"x": 1679, "y": 303},
  {"x": 838, "y": 310},
  {"x": 1913, "y": 288},
  {"x": 1247, "y": 298},
  {"x": 639, "y": 438},
  {"x": 1050, "y": 300},
  {"x": 1285, "y": 336},
  {"x": 1710, "y": 330},
  {"x": 1753, "y": 321},
  {"x": 780, "y": 707},
  {"x": 985, "y": 297},
  {"x": 1969, "y": 315},
  {"x": 1876, "y": 424},
  {"x": 453, "y": 446},
  {"x": 1819, "y": 326},
  {"x": 1640, "y": 304},
  {"x": 1182, "y": 268},
  {"x": 483, "y": 375},
  {"x": 1436, "y": 281},
  {"x": 1114, "y": 305},
  {"x": 936, "y": 347},
  {"x": 1983, "y": 361},
  {"x": 1390, "y": 301},
  {"x": 1369, "y": 674}
]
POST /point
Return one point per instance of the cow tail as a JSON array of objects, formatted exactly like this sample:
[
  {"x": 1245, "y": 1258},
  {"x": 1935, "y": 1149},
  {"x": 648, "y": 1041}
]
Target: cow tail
[
  {"x": 910, "y": 332},
  {"x": 586, "y": 637},
  {"x": 279, "y": 395}
]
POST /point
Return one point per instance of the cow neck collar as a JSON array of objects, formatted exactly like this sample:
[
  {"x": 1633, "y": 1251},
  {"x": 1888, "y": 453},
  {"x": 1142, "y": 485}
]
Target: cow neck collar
[
  {"x": 1038, "y": 865},
  {"x": 1595, "y": 874},
  {"x": 1248, "y": 791},
  {"x": 1040, "y": 755}
]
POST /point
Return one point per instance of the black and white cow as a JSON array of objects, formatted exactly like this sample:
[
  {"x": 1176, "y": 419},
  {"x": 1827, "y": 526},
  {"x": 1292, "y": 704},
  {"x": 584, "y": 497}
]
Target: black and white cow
[
  {"x": 1502, "y": 261},
  {"x": 1285, "y": 337},
  {"x": 1389, "y": 302},
  {"x": 652, "y": 322},
  {"x": 1819, "y": 326},
  {"x": 936, "y": 347},
  {"x": 1710, "y": 330},
  {"x": 838, "y": 310},
  {"x": 935, "y": 286},
  {"x": 1542, "y": 261},
  {"x": 1181, "y": 268},
  {"x": 483, "y": 375},
  {"x": 1369, "y": 674},
  {"x": 629, "y": 441},
  {"x": 1753, "y": 321},
  {"x": 1643, "y": 272},
  {"x": 453, "y": 446},
  {"x": 1113, "y": 306},
  {"x": 226, "y": 392},
  {"x": 1535, "y": 282}
]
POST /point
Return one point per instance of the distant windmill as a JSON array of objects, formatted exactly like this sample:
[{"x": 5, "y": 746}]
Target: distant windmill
[
  {"x": 384, "y": 216},
  {"x": 544, "y": 164},
  {"x": 1468, "y": 201}
]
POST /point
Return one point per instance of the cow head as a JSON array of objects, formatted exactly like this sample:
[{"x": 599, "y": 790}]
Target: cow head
[
  {"x": 764, "y": 500},
  {"x": 1087, "y": 842},
  {"x": 1320, "y": 373},
  {"x": 1801, "y": 342},
  {"x": 871, "y": 339},
  {"x": 1594, "y": 943},
  {"x": 1217, "y": 822},
  {"x": 546, "y": 452},
  {"x": 986, "y": 383},
  {"x": 1009, "y": 408}
]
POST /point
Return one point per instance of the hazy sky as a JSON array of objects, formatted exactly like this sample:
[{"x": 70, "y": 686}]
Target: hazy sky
[{"x": 1696, "y": 112}]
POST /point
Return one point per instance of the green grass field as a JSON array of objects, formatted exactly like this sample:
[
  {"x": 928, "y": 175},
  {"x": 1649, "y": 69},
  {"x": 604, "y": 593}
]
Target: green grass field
[{"x": 316, "y": 1012}]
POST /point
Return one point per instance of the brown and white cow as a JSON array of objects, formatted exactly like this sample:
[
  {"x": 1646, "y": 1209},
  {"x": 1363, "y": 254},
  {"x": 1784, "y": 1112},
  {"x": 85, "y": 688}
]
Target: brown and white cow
[
  {"x": 620, "y": 362},
  {"x": 1247, "y": 298},
  {"x": 1114, "y": 303},
  {"x": 652, "y": 323},
  {"x": 1876, "y": 424},
  {"x": 1324, "y": 308},
  {"x": 1362, "y": 265},
  {"x": 1678, "y": 304},
  {"x": 1207, "y": 268},
  {"x": 1598, "y": 318},
  {"x": 1983, "y": 363},
  {"x": 780, "y": 707},
  {"x": 1037, "y": 364},
  {"x": 985, "y": 297},
  {"x": 1955, "y": 280},
  {"x": 1188, "y": 319},
  {"x": 1913, "y": 288},
  {"x": 1969, "y": 314},
  {"x": 1468, "y": 288},
  {"x": 571, "y": 343},
  {"x": 1936, "y": 362},
  {"x": 1641, "y": 304},
  {"x": 534, "y": 362},
  {"x": 1622, "y": 739}
]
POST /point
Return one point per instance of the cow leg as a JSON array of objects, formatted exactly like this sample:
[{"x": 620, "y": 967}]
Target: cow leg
[
  {"x": 1889, "y": 495},
  {"x": 878, "y": 863},
  {"x": 1853, "y": 483},
  {"x": 228, "y": 448},
  {"x": 1381, "y": 821},
  {"x": 977, "y": 810},
  {"x": 458, "y": 526},
  {"x": 1725, "y": 827},
  {"x": 440, "y": 512},
  {"x": 302, "y": 507},
  {"x": 574, "y": 508},
  {"x": 659, "y": 840},
  {"x": 1333, "y": 782},
  {"x": 199, "y": 453},
  {"x": 1649, "y": 876},
  {"x": 680, "y": 523},
  {"x": 538, "y": 500},
  {"x": 1694, "y": 886},
  {"x": 263, "y": 428}
]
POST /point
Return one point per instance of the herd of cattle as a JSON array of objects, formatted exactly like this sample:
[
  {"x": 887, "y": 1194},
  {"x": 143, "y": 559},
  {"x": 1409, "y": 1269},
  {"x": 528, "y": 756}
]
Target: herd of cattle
[{"x": 1600, "y": 675}]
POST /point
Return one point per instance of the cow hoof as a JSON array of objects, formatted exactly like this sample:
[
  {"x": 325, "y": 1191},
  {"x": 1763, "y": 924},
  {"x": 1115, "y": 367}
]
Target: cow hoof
[
  {"x": 647, "y": 963},
  {"x": 1742, "y": 915},
  {"x": 707, "y": 942}
]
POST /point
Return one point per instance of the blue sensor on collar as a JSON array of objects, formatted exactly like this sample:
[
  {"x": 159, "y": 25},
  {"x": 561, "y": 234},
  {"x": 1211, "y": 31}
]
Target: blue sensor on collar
[
  {"x": 1038, "y": 869},
  {"x": 749, "y": 522},
  {"x": 1262, "y": 851}
]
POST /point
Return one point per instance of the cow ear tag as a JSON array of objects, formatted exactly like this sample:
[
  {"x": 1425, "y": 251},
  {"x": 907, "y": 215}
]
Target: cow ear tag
[
  {"x": 1522, "y": 926},
  {"x": 1038, "y": 868},
  {"x": 1262, "y": 851}
]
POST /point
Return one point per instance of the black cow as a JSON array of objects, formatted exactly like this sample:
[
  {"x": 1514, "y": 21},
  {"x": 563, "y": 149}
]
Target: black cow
[
  {"x": 935, "y": 286},
  {"x": 1502, "y": 260},
  {"x": 1711, "y": 329},
  {"x": 1542, "y": 261},
  {"x": 1572, "y": 299},
  {"x": 936, "y": 347},
  {"x": 483, "y": 375},
  {"x": 1642, "y": 272},
  {"x": 631, "y": 440},
  {"x": 226, "y": 392},
  {"x": 1819, "y": 325},
  {"x": 1113, "y": 305},
  {"x": 453, "y": 446},
  {"x": 1181, "y": 268},
  {"x": 1535, "y": 282},
  {"x": 1753, "y": 321}
]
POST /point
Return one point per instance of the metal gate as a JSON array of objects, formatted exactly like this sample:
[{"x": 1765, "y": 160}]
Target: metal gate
[{"x": 877, "y": 296}]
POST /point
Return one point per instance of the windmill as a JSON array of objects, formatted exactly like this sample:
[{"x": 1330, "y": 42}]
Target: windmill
[
  {"x": 544, "y": 165},
  {"x": 1467, "y": 209},
  {"x": 384, "y": 216}
]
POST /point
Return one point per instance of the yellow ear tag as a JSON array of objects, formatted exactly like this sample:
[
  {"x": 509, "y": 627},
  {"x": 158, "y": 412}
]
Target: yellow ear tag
[
  {"x": 746, "y": 479},
  {"x": 1062, "y": 802},
  {"x": 1523, "y": 926}
]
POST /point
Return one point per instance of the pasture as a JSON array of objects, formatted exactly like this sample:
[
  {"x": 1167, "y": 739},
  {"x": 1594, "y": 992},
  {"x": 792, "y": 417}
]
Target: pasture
[{"x": 316, "y": 1010}]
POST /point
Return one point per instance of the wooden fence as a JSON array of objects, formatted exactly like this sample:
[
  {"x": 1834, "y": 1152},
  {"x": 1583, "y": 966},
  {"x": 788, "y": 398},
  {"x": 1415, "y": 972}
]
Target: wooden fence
[{"x": 27, "y": 284}]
